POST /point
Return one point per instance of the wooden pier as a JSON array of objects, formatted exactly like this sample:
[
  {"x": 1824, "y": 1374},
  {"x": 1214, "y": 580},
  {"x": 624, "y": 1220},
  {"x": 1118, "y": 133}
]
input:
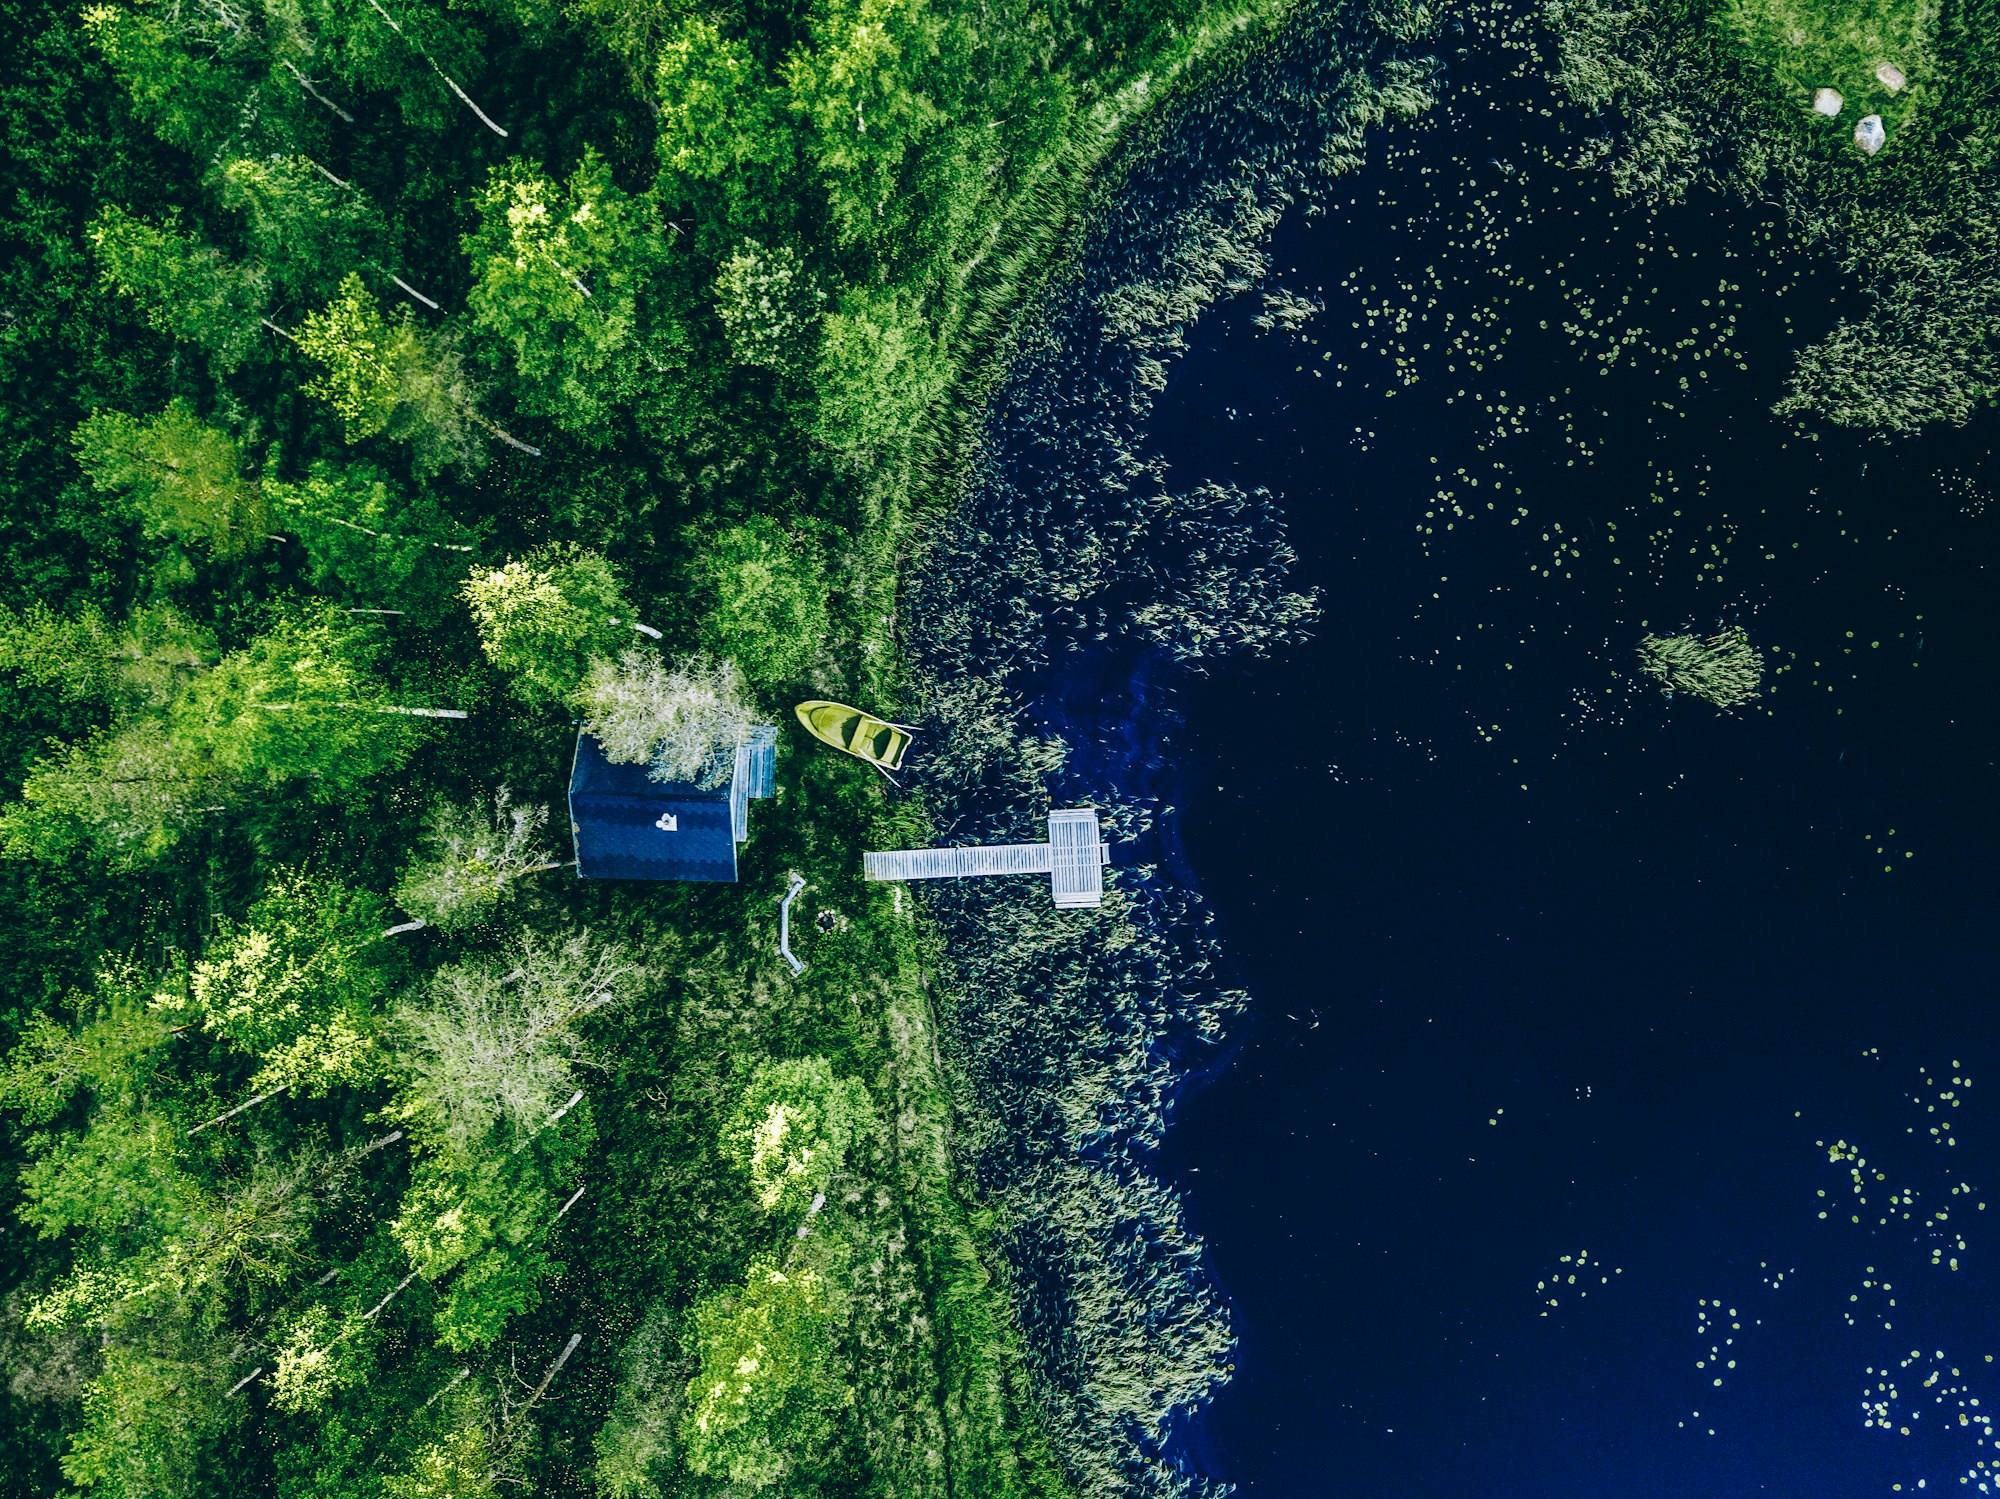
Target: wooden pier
[{"x": 1073, "y": 859}]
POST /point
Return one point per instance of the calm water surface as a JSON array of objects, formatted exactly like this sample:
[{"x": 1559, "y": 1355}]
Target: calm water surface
[{"x": 1553, "y": 975}]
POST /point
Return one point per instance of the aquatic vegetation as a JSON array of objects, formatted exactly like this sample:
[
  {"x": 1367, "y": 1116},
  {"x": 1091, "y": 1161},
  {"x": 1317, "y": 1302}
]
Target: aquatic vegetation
[
  {"x": 1572, "y": 1277},
  {"x": 1723, "y": 668},
  {"x": 1071, "y": 1030},
  {"x": 1723, "y": 95}
]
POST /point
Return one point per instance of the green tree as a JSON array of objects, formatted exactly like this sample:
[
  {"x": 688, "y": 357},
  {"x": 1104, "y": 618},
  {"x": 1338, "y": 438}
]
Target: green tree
[
  {"x": 127, "y": 793},
  {"x": 761, "y": 1408},
  {"x": 867, "y": 83},
  {"x": 545, "y": 618},
  {"x": 723, "y": 119},
  {"x": 109, "y": 1052},
  {"x": 491, "y": 1056},
  {"x": 302, "y": 701},
  {"x": 298, "y": 983},
  {"x": 364, "y": 359},
  {"x": 317, "y": 1357},
  {"x": 879, "y": 372},
  {"x": 770, "y": 305},
  {"x": 791, "y": 1128},
  {"x": 184, "y": 478},
  {"x": 139, "y": 665},
  {"x": 169, "y": 61},
  {"x": 183, "y": 287},
  {"x": 637, "y": 1447},
  {"x": 364, "y": 537},
  {"x": 559, "y": 273},
  {"x": 473, "y": 855},
  {"x": 458, "y": 1467},
  {"x": 478, "y": 1226},
  {"x": 146, "y": 1420},
  {"x": 770, "y": 614}
]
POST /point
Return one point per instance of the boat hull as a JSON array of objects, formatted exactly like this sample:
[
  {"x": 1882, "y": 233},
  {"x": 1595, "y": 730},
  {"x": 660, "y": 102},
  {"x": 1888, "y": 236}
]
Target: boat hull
[{"x": 855, "y": 733}]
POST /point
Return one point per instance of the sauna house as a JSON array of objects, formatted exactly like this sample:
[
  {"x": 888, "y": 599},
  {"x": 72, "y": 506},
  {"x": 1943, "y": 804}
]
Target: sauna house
[{"x": 629, "y": 826}]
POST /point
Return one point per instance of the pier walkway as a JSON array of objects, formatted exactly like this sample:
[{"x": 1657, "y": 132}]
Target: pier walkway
[{"x": 1073, "y": 859}]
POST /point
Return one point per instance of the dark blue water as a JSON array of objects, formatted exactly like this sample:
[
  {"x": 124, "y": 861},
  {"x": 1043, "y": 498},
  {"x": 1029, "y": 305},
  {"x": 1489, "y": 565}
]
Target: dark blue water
[{"x": 1546, "y": 964}]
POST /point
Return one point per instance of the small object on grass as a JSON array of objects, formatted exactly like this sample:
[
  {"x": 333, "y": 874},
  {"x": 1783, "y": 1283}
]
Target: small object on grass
[
  {"x": 1869, "y": 134},
  {"x": 1828, "y": 102},
  {"x": 1891, "y": 77},
  {"x": 785, "y": 926},
  {"x": 863, "y": 735}
]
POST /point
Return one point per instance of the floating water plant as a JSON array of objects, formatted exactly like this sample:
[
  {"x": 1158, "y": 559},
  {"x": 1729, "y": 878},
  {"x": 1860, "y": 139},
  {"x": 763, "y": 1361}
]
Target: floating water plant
[{"x": 1724, "y": 669}]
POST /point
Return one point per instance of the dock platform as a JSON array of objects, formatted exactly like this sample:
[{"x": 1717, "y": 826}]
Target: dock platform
[{"x": 1073, "y": 859}]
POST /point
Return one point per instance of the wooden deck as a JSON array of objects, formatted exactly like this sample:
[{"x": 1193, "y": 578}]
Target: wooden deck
[
  {"x": 1078, "y": 857},
  {"x": 755, "y": 775},
  {"x": 1073, "y": 859}
]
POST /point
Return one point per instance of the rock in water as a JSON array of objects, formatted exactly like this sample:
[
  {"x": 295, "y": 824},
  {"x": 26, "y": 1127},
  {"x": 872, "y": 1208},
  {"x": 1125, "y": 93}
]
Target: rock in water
[
  {"x": 1891, "y": 76},
  {"x": 1828, "y": 102},
  {"x": 1869, "y": 134}
]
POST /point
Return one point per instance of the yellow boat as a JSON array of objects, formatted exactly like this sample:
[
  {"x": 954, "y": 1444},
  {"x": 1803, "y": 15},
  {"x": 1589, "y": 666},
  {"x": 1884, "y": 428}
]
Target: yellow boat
[{"x": 863, "y": 735}]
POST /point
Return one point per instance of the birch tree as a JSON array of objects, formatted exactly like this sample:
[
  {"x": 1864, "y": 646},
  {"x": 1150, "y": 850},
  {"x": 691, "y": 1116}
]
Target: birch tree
[
  {"x": 472, "y": 856},
  {"x": 382, "y": 376},
  {"x": 305, "y": 226},
  {"x": 183, "y": 477},
  {"x": 363, "y": 536},
  {"x": 298, "y": 983},
  {"x": 496, "y": 1046},
  {"x": 127, "y": 793},
  {"x": 559, "y": 271},
  {"x": 303, "y": 700},
  {"x": 141, "y": 664},
  {"x": 684, "y": 721},
  {"x": 182, "y": 286}
]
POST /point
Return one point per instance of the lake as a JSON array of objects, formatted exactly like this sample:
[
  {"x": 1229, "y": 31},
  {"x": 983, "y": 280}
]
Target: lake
[{"x": 1610, "y": 1114}]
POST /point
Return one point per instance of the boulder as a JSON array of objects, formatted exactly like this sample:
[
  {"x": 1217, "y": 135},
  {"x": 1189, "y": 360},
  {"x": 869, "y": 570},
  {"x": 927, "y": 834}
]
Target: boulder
[
  {"x": 1869, "y": 134},
  {"x": 1828, "y": 102},
  {"x": 1892, "y": 77}
]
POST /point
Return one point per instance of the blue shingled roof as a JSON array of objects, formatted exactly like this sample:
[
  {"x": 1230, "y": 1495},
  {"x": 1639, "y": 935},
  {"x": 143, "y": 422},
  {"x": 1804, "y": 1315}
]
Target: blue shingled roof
[{"x": 629, "y": 826}]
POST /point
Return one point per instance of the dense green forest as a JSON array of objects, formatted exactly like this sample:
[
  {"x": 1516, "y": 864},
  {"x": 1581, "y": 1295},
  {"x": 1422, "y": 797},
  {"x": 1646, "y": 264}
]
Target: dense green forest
[{"x": 368, "y": 364}]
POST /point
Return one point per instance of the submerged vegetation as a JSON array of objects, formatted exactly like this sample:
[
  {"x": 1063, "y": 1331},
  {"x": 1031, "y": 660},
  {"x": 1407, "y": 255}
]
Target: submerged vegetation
[
  {"x": 1724, "y": 668},
  {"x": 1730, "y": 93}
]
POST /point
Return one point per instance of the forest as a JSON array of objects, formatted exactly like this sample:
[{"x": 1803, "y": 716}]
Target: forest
[{"x": 392, "y": 389}]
